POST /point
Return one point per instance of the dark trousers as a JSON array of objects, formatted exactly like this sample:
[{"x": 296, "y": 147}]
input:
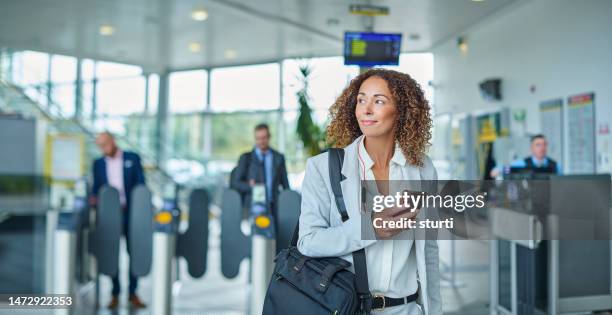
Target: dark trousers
[{"x": 133, "y": 279}]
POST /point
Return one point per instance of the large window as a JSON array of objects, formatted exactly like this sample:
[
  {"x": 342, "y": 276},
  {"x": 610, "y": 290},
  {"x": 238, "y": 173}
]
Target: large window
[
  {"x": 328, "y": 78},
  {"x": 245, "y": 88},
  {"x": 122, "y": 96},
  {"x": 120, "y": 103},
  {"x": 87, "y": 88},
  {"x": 185, "y": 140},
  {"x": 63, "y": 95},
  {"x": 63, "y": 83},
  {"x": 232, "y": 134},
  {"x": 420, "y": 68},
  {"x": 110, "y": 70},
  {"x": 113, "y": 96},
  {"x": 186, "y": 136},
  {"x": 122, "y": 99},
  {"x": 140, "y": 130},
  {"x": 31, "y": 68},
  {"x": 187, "y": 91},
  {"x": 5, "y": 63},
  {"x": 153, "y": 96},
  {"x": 31, "y": 71},
  {"x": 88, "y": 70}
]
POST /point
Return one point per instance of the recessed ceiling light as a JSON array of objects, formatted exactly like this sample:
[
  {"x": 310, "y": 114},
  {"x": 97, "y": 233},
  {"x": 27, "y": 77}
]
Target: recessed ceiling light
[
  {"x": 107, "y": 30},
  {"x": 195, "y": 47},
  {"x": 478, "y": 0},
  {"x": 462, "y": 44},
  {"x": 230, "y": 54},
  {"x": 199, "y": 15}
]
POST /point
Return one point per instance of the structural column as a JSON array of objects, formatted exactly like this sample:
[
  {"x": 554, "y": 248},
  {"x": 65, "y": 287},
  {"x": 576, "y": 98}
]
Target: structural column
[
  {"x": 78, "y": 91},
  {"x": 162, "y": 120}
]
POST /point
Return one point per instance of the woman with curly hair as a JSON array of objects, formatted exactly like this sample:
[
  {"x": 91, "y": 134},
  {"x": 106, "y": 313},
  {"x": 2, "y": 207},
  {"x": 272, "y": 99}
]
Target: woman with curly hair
[{"x": 383, "y": 122}]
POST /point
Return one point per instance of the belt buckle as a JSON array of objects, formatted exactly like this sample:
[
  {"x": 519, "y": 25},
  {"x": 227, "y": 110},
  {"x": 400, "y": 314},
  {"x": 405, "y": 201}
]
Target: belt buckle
[{"x": 384, "y": 302}]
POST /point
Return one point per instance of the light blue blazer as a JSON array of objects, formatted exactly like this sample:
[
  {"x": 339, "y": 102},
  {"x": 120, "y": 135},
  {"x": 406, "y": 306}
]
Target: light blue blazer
[{"x": 323, "y": 234}]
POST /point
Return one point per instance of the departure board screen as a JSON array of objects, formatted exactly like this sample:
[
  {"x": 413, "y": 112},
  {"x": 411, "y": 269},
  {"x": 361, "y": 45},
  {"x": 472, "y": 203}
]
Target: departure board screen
[{"x": 371, "y": 49}]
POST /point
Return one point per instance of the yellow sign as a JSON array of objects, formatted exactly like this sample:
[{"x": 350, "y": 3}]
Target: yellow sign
[
  {"x": 262, "y": 221},
  {"x": 456, "y": 137},
  {"x": 487, "y": 132},
  {"x": 64, "y": 157},
  {"x": 369, "y": 10},
  {"x": 163, "y": 217}
]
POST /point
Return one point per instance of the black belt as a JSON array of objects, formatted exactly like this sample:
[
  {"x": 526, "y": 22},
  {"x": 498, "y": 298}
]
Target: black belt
[{"x": 380, "y": 302}]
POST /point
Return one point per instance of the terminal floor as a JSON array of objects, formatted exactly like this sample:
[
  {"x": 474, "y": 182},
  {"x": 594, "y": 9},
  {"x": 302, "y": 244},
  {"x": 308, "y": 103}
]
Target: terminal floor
[{"x": 215, "y": 295}]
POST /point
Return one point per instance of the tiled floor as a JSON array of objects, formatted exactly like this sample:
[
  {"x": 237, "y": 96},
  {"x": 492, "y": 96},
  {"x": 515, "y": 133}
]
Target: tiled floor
[{"x": 470, "y": 289}]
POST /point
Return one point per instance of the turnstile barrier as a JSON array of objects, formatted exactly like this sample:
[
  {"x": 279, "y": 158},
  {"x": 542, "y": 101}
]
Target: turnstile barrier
[{"x": 193, "y": 244}]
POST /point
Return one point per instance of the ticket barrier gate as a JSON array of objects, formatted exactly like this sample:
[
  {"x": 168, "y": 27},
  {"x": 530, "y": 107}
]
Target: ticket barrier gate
[
  {"x": 106, "y": 235},
  {"x": 536, "y": 271},
  {"x": 168, "y": 244},
  {"x": 164, "y": 239},
  {"x": 154, "y": 239},
  {"x": 261, "y": 244},
  {"x": 107, "y": 228},
  {"x": 69, "y": 222}
]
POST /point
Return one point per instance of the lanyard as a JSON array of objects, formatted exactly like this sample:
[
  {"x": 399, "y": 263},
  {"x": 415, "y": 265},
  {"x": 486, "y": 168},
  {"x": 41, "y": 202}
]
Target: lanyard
[
  {"x": 361, "y": 159},
  {"x": 363, "y": 189}
]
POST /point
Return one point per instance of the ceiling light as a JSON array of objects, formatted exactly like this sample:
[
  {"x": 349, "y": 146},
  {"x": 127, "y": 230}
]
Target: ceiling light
[
  {"x": 478, "y": 0},
  {"x": 230, "y": 54},
  {"x": 199, "y": 15},
  {"x": 107, "y": 30},
  {"x": 462, "y": 44},
  {"x": 195, "y": 47}
]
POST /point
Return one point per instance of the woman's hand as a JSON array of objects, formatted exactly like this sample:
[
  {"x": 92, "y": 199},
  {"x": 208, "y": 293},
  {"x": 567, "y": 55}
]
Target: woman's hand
[{"x": 396, "y": 214}]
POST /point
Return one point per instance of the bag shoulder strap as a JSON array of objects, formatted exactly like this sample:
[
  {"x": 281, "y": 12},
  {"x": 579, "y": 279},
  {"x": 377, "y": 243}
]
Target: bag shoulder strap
[{"x": 336, "y": 159}]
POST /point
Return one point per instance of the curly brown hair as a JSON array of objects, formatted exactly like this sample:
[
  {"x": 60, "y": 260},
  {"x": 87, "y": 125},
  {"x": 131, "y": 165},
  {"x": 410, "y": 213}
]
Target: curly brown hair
[{"x": 413, "y": 125}]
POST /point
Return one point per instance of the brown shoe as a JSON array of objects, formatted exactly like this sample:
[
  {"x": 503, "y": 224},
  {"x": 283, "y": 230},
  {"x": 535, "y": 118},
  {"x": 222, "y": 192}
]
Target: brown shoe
[
  {"x": 114, "y": 303},
  {"x": 136, "y": 302}
]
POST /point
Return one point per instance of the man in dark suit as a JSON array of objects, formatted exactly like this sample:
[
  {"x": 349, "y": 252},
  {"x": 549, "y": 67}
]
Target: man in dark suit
[
  {"x": 263, "y": 165},
  {"x": 123, "y": 171},
  {"x": 537, "y": 162}
]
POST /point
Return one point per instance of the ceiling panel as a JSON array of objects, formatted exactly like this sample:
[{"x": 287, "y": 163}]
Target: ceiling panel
[{"x": 157, "y": 34}]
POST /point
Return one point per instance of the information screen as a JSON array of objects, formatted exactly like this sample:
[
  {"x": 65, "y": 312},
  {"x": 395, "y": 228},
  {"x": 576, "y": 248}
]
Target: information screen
[{"x": 371, "y": 49}]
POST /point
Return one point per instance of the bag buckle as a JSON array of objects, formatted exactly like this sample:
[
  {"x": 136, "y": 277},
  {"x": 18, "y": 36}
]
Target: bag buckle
[{"x": 379, "y": 296}]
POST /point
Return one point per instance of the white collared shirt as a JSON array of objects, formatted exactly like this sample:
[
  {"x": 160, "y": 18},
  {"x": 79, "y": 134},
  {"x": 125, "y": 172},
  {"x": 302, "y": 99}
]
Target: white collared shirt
[
  {"x": 114, "y": 174},
  {"x": 392, "y": 265}
]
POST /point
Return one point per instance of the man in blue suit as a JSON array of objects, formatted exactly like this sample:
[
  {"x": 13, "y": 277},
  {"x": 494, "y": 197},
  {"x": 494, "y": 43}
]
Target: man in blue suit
[
  {"x": 123, "y": 171},
  {"x": 262, "y": 165}
]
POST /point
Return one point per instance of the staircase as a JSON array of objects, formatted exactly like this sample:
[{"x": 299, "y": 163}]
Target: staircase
[{"x": 23, "y": 101}]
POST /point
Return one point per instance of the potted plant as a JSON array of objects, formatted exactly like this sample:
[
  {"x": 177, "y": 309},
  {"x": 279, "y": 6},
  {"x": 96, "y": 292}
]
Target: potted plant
[{"x": 311, "y": 135}]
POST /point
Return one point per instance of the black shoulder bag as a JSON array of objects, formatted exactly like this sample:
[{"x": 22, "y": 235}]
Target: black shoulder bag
[{"x": 303, "y": 285}]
